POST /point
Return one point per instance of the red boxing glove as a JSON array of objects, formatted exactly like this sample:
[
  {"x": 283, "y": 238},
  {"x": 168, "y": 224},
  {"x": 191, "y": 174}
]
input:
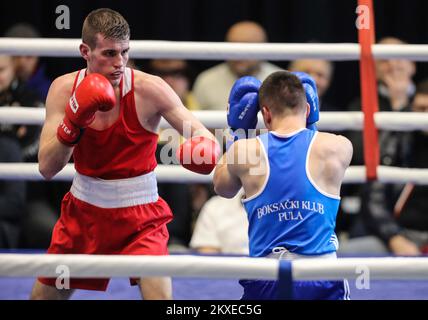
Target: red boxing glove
[
  {"x": 94, "y": 93},
  {"x": 199, "y": 154}
]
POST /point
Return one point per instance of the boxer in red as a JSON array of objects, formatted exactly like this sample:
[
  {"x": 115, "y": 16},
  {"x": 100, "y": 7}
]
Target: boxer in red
[{"x": 106, "y": 117}]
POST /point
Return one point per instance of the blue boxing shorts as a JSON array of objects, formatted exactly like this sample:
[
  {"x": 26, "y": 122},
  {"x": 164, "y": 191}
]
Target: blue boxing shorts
[{"x": 302, "y": 290}]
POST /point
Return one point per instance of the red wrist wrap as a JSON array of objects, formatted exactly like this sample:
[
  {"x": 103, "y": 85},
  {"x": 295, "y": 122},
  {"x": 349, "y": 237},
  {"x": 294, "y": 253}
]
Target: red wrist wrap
[{"x": 68, "y": 133}]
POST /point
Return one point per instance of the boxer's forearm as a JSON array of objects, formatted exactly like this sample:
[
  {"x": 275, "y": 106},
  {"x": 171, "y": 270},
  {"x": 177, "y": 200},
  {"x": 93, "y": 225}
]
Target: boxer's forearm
[
  {"x": 225, "y": 183},
  {"x": 53, "y": 156}
]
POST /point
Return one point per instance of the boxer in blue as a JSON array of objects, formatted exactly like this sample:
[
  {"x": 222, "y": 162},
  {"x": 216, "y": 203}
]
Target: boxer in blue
[{"x": 292, "y": 180}]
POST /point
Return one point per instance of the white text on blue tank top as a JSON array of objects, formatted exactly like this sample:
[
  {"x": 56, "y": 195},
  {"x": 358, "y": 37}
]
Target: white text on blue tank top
[{"x": 290, "y": 209}]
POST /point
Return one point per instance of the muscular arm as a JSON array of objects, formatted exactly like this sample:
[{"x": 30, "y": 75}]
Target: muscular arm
[
  {"x": 242, "y": 166},
  {"x": 53, "y": 155},
  {"x": 226, "y": 175},
  {"x": 167, "y": 104},
  {"x": 330, "y": 157},
  {"x": 344, "y": 154}
]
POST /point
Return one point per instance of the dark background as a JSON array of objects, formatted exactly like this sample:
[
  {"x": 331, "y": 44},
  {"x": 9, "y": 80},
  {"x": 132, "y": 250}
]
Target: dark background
[{"x": 208, "y": 20}]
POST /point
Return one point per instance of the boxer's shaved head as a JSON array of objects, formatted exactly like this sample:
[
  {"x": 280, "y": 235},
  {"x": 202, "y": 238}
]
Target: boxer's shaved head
[
  {"x": 107, "y": 22},
  {"x": 282, "y": 92}
]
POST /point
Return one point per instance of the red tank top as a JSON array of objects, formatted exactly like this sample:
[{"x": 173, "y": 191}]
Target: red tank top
[{"x": 123, "y": 150}]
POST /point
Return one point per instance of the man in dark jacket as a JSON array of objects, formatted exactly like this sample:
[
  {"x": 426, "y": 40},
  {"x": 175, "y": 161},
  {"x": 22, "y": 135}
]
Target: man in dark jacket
[
  {"x": 12, "y": 196},
  {"x": 396, "y": 214},
  {"x": 395, "y": 92},
  {"x": 41, "y": 213},
  {"x": 29, "y": 70}
]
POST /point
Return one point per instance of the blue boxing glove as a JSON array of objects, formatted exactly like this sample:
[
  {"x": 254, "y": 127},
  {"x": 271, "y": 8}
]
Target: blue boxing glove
[
  {"x": 312, "y": 97},
  {"x": 243, "y": 108}
]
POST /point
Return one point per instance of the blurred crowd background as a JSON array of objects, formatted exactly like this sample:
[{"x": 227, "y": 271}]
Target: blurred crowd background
[{"x": 374, "y": 218}]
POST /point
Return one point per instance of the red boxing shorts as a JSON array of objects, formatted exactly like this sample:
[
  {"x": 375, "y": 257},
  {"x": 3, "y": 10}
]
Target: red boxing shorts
[{"x": 84, "y": 228}]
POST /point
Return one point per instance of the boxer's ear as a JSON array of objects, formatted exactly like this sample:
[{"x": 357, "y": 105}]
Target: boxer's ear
[
  {"x": 267, "y": 116},
  {"x": 84, "y": 51}
]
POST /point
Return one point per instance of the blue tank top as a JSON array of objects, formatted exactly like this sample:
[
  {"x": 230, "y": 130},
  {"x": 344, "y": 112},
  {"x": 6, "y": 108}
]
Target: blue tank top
[{"x": 291, "y": 211}]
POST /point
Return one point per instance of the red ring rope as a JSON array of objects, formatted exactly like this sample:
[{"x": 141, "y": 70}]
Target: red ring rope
[{"x": 369, "y": 98}]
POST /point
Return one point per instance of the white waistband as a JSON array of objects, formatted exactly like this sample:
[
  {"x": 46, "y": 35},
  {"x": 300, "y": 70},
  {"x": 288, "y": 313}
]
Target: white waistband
[
  {"x": 283, "y": 253},
  {"x": 115, "y": 193}
]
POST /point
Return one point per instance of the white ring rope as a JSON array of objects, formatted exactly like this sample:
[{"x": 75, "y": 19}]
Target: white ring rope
[
  {"x": 337, "y": 121},
  {"x": 57, "y": 47},
  {"x": 164, "y": 173},
  {"x": 177, "y": 174},
  {"x": 99, "y": 266},
  {"x": 217, "y": 119}
]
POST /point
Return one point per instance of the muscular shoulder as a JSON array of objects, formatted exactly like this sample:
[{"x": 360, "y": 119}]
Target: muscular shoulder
[
  {"x": 328, "y": 145},
  {"x": 246, "y": 147},
  {"x": 59, "y": 94},
  {"x": 333, "y": 141},
  {"x": 148, "y": 85},
  {"x": 243, "y": 155},
  {"x": 63, "y": 85},
  {"x": 246, "y": 143},
  {"x": 153, "y": 89}
]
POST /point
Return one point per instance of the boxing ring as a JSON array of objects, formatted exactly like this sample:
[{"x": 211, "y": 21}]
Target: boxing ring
[
  {"x": 193, "y": 271},
  {"x": 202, "y": 277}
]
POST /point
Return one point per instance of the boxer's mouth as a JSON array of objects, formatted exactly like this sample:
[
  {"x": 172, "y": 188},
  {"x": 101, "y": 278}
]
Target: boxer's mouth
[{"x": 116, "y": 74}]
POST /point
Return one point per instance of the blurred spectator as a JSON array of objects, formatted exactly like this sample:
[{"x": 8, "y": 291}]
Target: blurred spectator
[
  {"x": 395, "y": 214},
  {"x": 395, "y": 79},
  {"x": 12, "y": 93},
  {"x": 212, "y": 86},
  {"x": 322, "y": 72},
  {"x": 29, "y": 71},
  {"x": 222, "y": 227},
  {"x": 12, "y": 195},
  {"x": 395, "y": 90},
  {"x": 41, "y": 214},
  {"x": 13, "y": 140},
  {"x": 43, "y": 197},
  {"x": 185, "y": 200}
]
